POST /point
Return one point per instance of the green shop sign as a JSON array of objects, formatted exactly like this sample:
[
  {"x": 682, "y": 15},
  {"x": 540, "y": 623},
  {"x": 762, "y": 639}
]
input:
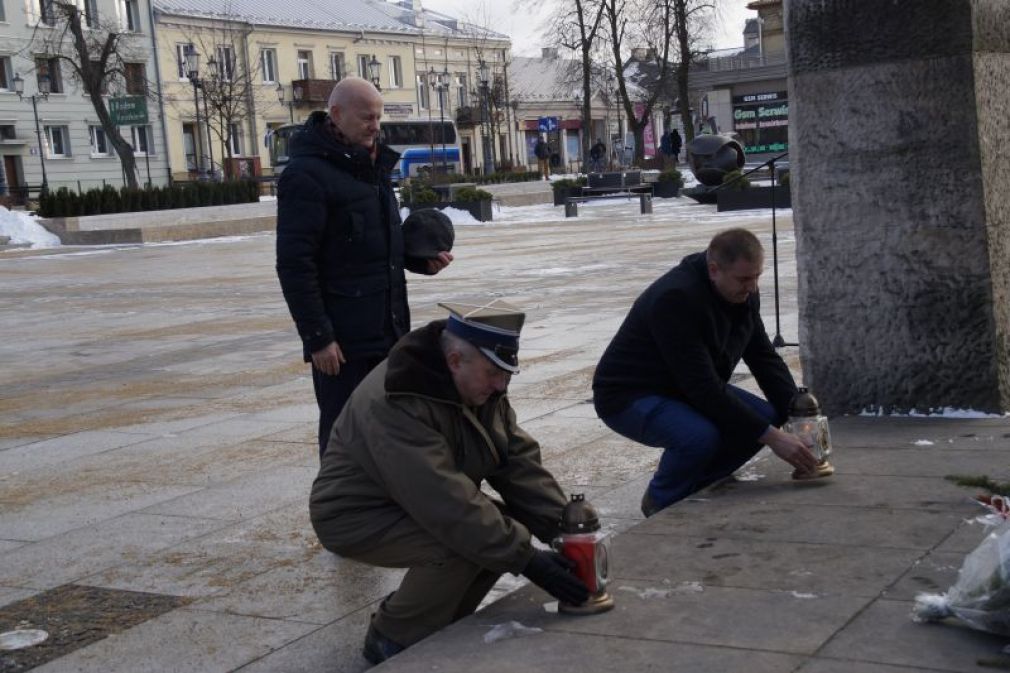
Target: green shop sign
[{"x": 128, "y": 110}]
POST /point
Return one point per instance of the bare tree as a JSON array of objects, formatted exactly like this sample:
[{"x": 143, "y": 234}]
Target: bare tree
[
  {"x": 691, "y": 19},
  {"x": 97, "y": 51},
  {"x": 230, "y": 88}
]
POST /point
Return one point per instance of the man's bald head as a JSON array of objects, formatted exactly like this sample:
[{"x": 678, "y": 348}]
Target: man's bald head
[{"x": 356, "y": 108}]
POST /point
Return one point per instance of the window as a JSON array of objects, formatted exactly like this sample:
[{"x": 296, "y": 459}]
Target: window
[
  {"x": 304, "y": 64},
  {"x": 337, "y": 70},
  {"x": 422, "y": 91},
  {"x": 8, "y": 132},
  {"x": 461, "y": 96},
  {"x": 225, "y": 62},
  {"x": 395, "y": 73},
  {"x": 58, "y": 140},
  {"x": 189, "y": 145},
  {"x": 6, "y": 78},
  {"x": 91, "y": 13},
  {"x": 180, "y": 58},
  {"x": 99, "y": 143},
  {"x": 235, "y": 139},
  {"x": 47, "y": 12},
  {"x": 140, "y": 140},
  {"x": 129, "y": 11},
  {"x": 363, "y": 60},
  {"x": 51, "y": 67},
  {"x": 3, "y": 15},
  {"x": 268, "y": 64},
  {"x": 136, "y": 78}
]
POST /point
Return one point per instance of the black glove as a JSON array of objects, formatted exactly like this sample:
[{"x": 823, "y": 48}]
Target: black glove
[{"x": 552, "y": 572}]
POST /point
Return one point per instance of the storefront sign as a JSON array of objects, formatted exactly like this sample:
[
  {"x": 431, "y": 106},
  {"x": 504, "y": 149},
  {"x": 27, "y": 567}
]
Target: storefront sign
[
  {"x": 397, "y": 109},
  {"x": 752, "y": 98}
]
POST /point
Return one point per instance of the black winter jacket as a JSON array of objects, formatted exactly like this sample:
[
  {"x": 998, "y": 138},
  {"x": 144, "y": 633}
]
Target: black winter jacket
[
  {"x": 340, "y": 257},
  {"x": 683, "y": 340}
]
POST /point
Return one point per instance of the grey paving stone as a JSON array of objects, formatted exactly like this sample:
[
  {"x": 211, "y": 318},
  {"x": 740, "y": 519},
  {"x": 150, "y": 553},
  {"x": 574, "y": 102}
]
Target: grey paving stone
[
  {"x": 529, "y": 406},
  {"x": 736, "y": 618},
  {"x": 965, "y": 538},
  {"x": 851, "y": 526},
  {"x": 886, "y": 634},
  {"x": 557, "y": 434},
  {"x": 33, "y": 513},
  {"x": 11, "y": 442},
  {"x": 244, "y": 497},
  {"x": 934, "y": 573},
  {"x": 923, "y": 461},
  {"x": 848, "y": 490},
  {"x": 302, "y": 434},
  {"x": 462, "y": 650},
  {"x": 301, "y": 413},
  {"x": 320, "y": 590},
  {"x": 12, "y": 594},
  {"x": 603, "y": 462},
  {"x": 821, "y": 665},
  {"x": 335, "y": 648},
  {"x": 183, "y": 640},
  {"x": 220, "y": 560},
  {"x": 623, "y": 502},
  {"x": 69, "y": 557},
  {"x": 810, "y": 569},
  {"x": 899, "y": 432},
  {"x": 173, "y": 428},
  {"x": 60, "y": 450},
  {"x": 8, "y": 545}
]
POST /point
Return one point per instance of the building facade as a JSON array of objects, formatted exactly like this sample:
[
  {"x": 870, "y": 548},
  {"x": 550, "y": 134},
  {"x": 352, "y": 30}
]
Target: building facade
[
  {"x": 56, "y": 138},
  {"x": 263, "y": 65}
]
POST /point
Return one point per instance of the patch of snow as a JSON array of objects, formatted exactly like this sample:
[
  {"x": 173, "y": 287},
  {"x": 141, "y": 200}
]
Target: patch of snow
[
  {"x": 797, "y": 594},
  {"x": 923, "y": 442},
  {"x": 512, "y": 629},
  {"x": 24, "y": 229},
  {"x": 939, "y": 412}
]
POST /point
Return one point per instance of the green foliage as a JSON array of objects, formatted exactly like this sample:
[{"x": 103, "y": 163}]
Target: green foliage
[
  {"x": 568, "y": 183},
  {"x": 735, "y": 180},
  {"x": 784, "y": 178},
  {"x": 470, "y": 194},
  {"x": 672, "y": 175},
  {"x": 980, "y": 481},
  {"x": 63, "y": 202},
  {"x": 424, "y": 194}
]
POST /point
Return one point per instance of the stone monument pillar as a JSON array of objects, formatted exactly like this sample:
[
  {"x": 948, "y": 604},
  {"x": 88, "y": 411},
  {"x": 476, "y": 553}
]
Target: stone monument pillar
[{"x": 900, "y": 157}]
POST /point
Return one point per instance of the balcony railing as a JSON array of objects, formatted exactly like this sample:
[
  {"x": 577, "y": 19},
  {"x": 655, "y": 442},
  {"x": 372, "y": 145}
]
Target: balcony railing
[
  {"x": 740, "y": 62},
  {"x": 312, "y": 90}
]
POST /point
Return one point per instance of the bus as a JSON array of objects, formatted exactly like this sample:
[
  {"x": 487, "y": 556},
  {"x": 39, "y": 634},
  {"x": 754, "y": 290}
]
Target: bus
[{"x": 424, "y": 146}]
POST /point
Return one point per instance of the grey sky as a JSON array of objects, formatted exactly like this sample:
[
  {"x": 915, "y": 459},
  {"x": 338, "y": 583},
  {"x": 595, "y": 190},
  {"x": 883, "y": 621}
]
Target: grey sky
[{"x": 525, "y": 28}]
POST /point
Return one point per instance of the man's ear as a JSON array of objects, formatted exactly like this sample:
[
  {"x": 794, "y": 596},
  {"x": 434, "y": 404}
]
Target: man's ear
[{"x": 454, "y": 359}]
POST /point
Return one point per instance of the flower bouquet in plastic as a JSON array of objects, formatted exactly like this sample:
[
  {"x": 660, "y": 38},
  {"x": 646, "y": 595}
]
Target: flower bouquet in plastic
[{"x": 980, "y": 598}]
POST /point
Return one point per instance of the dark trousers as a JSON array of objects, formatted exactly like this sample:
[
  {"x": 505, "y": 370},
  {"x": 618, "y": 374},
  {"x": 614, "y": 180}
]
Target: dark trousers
[
  {"x": 695, "y": 454},
  {"x": 332, "y": 392}
]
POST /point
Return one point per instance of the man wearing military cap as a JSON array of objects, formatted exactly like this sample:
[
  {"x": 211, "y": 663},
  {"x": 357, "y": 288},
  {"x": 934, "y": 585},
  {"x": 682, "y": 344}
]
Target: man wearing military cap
[{"x": 400, "y": 482}]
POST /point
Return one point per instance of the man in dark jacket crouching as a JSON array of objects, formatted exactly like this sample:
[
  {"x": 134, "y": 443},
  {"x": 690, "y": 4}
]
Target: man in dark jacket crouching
[{"x": 400, "y": 482}]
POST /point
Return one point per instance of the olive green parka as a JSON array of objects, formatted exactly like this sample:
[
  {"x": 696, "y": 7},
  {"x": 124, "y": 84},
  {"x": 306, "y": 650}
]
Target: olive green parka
[{"x": 406, "y": 446}]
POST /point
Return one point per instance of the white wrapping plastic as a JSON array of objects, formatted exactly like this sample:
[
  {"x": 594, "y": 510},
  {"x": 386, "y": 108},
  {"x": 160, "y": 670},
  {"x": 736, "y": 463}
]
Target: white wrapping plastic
[{"x": 981, "y": 595}]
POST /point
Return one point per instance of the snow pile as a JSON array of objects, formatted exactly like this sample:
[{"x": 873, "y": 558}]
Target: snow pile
[
  {"x": 938, "y": 412},
  {"x": 24, "y": 230}
]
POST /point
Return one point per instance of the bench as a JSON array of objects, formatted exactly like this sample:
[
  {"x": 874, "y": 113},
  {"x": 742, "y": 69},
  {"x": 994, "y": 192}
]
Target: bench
[{"x": 644, "y": 194}]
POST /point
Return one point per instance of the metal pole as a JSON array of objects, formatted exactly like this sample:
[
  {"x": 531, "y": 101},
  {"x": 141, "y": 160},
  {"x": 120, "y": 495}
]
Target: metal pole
[
  {"x": 198, "y": 135},
  {"x": 778, "y": 341},
  {"x": 441, "y": 128},
  {"x": 42, "y": 150},
  {"x": 210, "y": 139},
  {"x": 291, "y": 111}
]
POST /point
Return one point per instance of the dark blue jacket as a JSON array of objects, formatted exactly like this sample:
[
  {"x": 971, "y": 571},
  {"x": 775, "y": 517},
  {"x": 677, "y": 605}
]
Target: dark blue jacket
[
  {"x": 340, "y": 257},
  {"x": 682, "y": 340}
]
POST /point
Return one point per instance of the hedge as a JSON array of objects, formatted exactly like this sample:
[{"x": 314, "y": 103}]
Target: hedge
[{"x": 66, "y": 203}]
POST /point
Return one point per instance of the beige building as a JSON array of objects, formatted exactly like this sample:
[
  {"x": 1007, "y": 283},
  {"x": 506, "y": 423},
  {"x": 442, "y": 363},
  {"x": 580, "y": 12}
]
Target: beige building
[{"x": 264, "y": 65}]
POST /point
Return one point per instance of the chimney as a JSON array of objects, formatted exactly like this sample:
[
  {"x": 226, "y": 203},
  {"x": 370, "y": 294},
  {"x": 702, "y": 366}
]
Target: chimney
[
  {"x": 549, "y": 53},
  {"x": 418, "y": 11}
]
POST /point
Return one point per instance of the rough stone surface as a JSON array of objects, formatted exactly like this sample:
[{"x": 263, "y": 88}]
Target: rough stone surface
[{"x": 900, "y": 182}]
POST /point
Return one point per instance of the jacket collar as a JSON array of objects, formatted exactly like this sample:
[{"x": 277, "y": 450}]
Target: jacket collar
[
  {"x": 417, "y": 365},
  {"x": 317, "y": 138}
]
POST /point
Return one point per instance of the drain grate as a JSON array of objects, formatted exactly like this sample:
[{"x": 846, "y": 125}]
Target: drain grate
[{"x": 75, "y": 616}]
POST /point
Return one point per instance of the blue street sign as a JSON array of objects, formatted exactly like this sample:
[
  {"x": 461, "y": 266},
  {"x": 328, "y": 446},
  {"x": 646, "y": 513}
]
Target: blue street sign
[{"x": 547, "y": 124}]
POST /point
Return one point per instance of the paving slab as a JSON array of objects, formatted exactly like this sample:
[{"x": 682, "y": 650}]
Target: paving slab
[
  {"x": 335, "y": 648},
  {"x": 183, "y": 640},
  {"x": 885, "y": 634},
  {"x": 85, "y": 551},
  {"x": 60, "y": 450}
]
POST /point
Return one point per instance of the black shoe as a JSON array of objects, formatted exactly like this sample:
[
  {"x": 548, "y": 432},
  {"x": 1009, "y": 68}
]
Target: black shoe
[
  {"x": 649, "y": 507},
  {"x": 378, "y": 647}
]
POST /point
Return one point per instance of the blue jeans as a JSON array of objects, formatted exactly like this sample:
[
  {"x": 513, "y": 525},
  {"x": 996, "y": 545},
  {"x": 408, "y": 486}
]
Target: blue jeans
[{"x": 695, "y": 454}]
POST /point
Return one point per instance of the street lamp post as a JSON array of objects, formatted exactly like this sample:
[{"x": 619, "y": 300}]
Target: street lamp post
[
  {"x": 440, "y": 83},
  {"x": 296, "y": 97},
  {"x": 19, "y": 89},
  {"x": 483, "y": 77},
  {"x": 193, "y": 73},
  {"x": 620, "y": 122},
  {"x": 373, "y": 71}
]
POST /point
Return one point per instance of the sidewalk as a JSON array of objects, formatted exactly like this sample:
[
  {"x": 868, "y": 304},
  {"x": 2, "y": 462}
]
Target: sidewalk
[
  {"x": 772, "y": 575},
  {"x": 157, "y": 446}
]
